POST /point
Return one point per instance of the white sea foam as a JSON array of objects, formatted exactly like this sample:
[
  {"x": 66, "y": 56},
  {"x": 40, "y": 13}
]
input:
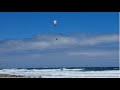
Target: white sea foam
[{"x": 62, "y": 73}]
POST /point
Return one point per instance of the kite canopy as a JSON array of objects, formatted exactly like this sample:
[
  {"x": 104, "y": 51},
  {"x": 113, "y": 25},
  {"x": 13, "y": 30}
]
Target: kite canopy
[{"x": 55, "y": 23}]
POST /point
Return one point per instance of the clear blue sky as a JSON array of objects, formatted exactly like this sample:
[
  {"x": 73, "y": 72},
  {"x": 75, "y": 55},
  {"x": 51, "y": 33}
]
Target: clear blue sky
[
  {"x": 99, "y": 48},
  {"x": 25, "y": 24}
]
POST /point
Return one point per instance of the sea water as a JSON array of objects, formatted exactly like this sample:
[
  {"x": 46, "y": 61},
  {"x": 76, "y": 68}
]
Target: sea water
[{"x": 79, "y": 72}]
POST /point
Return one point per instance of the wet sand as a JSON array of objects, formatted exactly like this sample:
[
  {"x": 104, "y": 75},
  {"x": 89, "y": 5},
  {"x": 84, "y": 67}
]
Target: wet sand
[
  {"x": 11, "y": 76},
  {"x": 14, "y": 76}
]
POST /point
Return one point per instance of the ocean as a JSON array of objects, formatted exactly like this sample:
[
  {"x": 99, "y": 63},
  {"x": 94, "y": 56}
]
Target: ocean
[{"x": 69, "y": 72}]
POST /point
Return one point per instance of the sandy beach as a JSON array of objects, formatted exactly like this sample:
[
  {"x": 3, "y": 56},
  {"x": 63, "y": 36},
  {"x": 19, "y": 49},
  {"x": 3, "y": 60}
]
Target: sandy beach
[
  {"x": 14, "y": 76},
  {"x": 11, "y": 76}
]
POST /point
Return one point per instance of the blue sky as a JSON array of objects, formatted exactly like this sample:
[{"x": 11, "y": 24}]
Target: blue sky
[
  {"x": 27, "y": 39},
  {"x": 25, "y": 24}
]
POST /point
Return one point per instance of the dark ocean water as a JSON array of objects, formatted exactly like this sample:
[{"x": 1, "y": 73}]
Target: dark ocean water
[{"x": 81, "y": 68}]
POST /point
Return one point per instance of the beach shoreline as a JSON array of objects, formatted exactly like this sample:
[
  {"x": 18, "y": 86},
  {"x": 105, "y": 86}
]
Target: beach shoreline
[
  {"x": 11, "y": 76},
  {"x": 15, "y": 76}
]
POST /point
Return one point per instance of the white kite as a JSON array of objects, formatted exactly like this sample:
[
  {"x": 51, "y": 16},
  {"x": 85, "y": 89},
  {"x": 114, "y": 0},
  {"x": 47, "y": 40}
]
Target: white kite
[{"x": 55, "y": 23}]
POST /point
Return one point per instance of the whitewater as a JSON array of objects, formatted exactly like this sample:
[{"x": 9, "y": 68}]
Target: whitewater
[{"x": 62, "y": 73}]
